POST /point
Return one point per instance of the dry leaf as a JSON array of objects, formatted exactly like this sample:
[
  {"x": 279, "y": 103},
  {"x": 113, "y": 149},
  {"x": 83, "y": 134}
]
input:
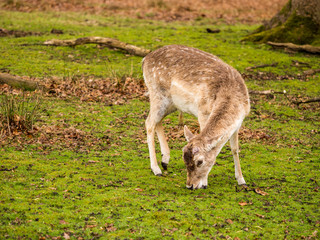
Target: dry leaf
[
  {"x": 110, "y": 227},
  {"x": 259, "y": 215},
  {"x": 63, "y": 222},
  {"x": 139, "y": 189},
  {"x": 66, "y": 236},
  {"x": 259, "y": 191},
  {"x": 91, "y": 226},
  {"x": 229, "y": 221},
  {"x": 243, "y": 203}
]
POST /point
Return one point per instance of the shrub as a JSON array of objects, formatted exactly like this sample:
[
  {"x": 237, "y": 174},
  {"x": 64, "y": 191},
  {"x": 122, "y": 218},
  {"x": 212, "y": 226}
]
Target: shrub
[{"x": 18, "y": 113}]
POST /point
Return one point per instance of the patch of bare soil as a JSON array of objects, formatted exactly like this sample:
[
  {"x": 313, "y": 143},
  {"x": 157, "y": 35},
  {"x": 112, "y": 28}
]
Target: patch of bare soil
[
  {"x": 246, "y": 11},
  {"x": 17, "y": 33},
  {"x": 273, "y": 76},
  {"x": 57, "y": 136},
  {"x": 111, "y": 92}
]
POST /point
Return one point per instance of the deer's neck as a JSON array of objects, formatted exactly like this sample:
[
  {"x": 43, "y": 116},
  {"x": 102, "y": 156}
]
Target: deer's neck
[{"x": 225, "y": 118}]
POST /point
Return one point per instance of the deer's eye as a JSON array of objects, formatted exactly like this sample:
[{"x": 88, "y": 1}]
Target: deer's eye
[{"x": 199, "y": 163}]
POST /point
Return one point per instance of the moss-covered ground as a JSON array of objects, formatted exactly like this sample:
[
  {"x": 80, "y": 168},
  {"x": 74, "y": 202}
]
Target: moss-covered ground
[
  {"x": 96, "y": 182},
  {"x": 295, "y": 29}
]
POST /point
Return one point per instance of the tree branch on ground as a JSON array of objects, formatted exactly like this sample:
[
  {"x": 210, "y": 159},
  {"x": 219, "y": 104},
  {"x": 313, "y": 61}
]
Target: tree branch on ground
[
  {"x": 295, "y": 47},
  {"x": 271, "y": 92},
  {"x": 18, "y": 82},
  {"x": 262, "y": 66},
  {"x": 266, "y": 92},
  {"x": 317, "y": 99},
  {"x": 109, "y": 42}
]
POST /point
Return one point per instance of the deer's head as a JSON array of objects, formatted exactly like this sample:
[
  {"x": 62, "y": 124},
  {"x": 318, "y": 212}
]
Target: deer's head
[{"x": 198, "y": 161}]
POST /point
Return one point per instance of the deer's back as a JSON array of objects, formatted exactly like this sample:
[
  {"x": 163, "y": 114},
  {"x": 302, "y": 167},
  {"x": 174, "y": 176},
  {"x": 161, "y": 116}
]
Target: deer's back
[{"x": 191, "y": 76}]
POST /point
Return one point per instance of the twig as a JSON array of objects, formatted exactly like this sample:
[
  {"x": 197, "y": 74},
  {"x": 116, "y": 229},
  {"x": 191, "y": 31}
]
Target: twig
[
  {"x": 297, "y": 63},
  {"x": 266, "y": 92},
  {"x": 262, "y": 66},
  {"x": 270, "y": 92},
  {"x": 317, "y": 99}
]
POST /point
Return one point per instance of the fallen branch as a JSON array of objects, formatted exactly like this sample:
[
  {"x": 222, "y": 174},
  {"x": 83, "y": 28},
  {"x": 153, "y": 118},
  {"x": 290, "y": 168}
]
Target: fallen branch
[
  {"x": 109, "y": 42},
  {"x": 294, "y": 47},
  {"x": 271, "y": 92},
  {"x": 262, "y": 66},
  {"x": 266, "y": 92},
  {"x": 17, "y": 82},
  {"x": 317, "y": 99},
  {"x": 311, "y": 71}
]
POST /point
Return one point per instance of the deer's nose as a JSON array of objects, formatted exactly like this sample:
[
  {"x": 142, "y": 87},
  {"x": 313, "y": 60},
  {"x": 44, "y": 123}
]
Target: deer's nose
[{"x": 190, "y": 187}]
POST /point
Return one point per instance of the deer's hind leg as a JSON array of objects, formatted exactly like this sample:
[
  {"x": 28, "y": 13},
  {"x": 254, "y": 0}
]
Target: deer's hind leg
[
  {"x": 165, "y": 151},
  {"x": 159, "y": 108}
]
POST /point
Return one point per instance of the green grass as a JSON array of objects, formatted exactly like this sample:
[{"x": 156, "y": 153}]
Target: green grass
[{"x": 100, "y": 185}]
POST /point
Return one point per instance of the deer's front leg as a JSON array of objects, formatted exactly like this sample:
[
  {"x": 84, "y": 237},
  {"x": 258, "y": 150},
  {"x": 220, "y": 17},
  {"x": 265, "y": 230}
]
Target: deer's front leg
[
  {"x": 150, "y": 127},
  {"x": 235, "y": 152}
]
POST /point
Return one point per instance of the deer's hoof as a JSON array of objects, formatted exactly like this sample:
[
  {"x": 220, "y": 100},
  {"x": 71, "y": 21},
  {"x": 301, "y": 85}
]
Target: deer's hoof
[
  {"x": 156, "y": 171},
  {"x": 164, "y": 165},
  {"x": 190, "y": 187}
]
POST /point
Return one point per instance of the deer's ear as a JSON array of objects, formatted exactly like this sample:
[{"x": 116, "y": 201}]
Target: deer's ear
[{"x": 187, "y": 133}]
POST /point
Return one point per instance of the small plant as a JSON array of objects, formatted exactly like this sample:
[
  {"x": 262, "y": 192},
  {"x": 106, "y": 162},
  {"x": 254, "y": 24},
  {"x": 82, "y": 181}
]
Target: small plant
[{"x": 18, "y": 113}]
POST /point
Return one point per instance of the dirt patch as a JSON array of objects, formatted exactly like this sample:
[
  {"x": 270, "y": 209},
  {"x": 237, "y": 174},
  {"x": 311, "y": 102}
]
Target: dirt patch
[
  {"x": 259, "y": 135},
  {"x": 17, "y": 33},
  {"x": 56, "y": 137},
  {"x": 246, "y": 11},
  {"x": 273, "y": 76},
  {"x": 111, "y": 92}
]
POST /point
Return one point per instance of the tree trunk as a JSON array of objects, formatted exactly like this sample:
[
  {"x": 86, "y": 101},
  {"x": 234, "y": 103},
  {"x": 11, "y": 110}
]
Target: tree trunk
[{"x": 298, "y": 22}]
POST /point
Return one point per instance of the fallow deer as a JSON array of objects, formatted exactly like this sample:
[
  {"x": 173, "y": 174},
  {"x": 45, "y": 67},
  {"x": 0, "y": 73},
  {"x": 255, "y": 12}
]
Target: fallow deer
[{"x": 195, "y": 82}]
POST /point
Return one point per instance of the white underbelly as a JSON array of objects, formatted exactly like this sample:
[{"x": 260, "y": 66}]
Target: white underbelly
[
  {"x": 184, "y": 99},
  {"x": 185, "y": 105}
]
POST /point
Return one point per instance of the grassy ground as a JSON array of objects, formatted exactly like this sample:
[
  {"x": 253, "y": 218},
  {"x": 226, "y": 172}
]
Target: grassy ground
[{"x": 84, "y": 173}]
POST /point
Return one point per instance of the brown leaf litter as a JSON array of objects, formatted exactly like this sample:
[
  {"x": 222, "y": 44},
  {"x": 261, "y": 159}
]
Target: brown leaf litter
[
  {"x": 245, "y": 11},
  {"x": 109, "y": 91}
]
